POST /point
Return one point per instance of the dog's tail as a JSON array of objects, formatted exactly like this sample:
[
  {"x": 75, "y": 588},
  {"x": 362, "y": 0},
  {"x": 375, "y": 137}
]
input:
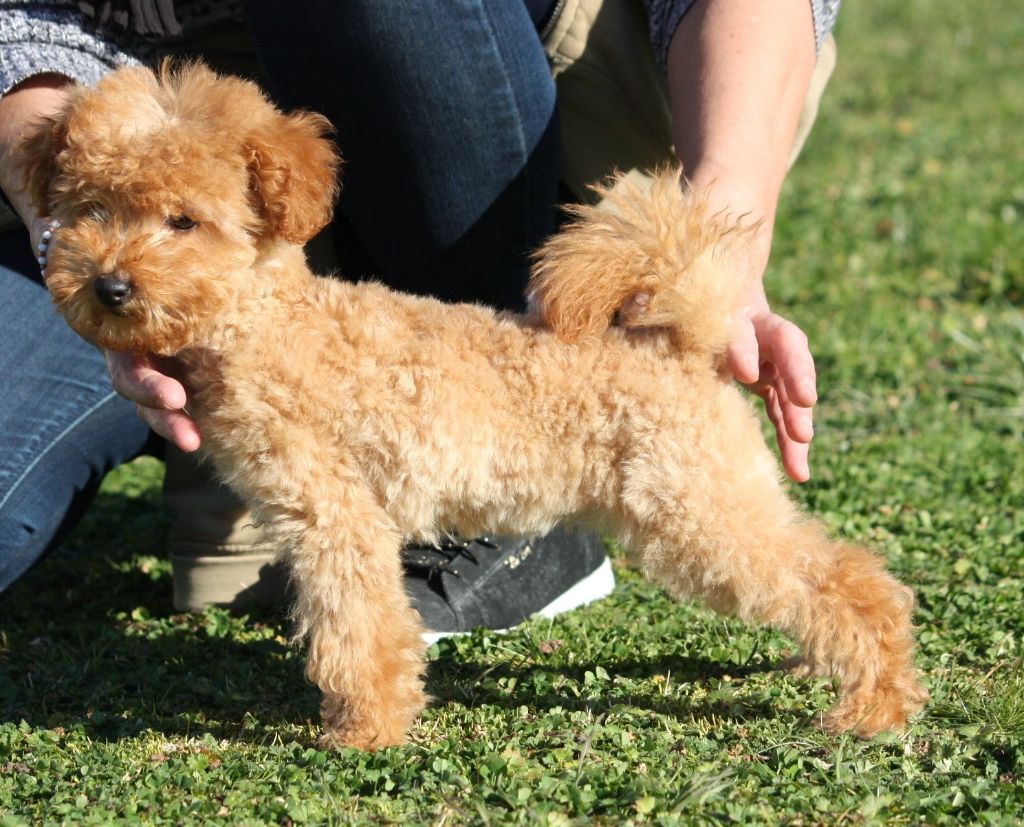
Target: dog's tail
[{"x": 642, "y": 259}]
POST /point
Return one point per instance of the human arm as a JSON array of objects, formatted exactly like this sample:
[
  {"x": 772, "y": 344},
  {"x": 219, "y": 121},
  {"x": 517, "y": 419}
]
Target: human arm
[
  {"x": 45, "y": 45},
  {"x": 738, "y": 73},
  {"x": 26, "y": 103}
]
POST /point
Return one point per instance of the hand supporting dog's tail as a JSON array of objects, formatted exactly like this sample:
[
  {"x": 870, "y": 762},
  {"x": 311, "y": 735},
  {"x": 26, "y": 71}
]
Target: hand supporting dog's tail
[{"x": 644, "y": 258}]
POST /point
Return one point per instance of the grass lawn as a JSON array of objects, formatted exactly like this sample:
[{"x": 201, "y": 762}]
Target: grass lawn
[{"x": 900, "y": 250}]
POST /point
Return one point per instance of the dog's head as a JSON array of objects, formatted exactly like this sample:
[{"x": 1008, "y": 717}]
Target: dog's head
[{"x": 165, "y": 187}]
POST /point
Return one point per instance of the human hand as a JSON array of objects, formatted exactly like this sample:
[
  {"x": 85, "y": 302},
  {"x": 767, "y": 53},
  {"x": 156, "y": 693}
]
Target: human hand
[
  {"x": 160, "y": 399},
  {"x": 770, "y": 355}
]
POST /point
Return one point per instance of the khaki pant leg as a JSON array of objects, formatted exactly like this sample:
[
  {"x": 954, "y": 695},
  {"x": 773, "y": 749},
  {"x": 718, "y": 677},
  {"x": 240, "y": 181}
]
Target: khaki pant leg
[
  {"x": 613, "y": 99},
  {"x": 819, "y": 80},
  {"x": 218, "y": 555}
]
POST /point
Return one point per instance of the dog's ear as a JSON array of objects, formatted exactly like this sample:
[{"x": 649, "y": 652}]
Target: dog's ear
[
  {"x": 35, "y": 155},
  {"x": 294, "y": 169}
]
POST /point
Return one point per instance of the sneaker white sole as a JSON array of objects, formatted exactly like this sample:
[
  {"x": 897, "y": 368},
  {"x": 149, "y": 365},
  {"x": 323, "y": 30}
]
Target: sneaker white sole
[{"x": 599, "y": 583}]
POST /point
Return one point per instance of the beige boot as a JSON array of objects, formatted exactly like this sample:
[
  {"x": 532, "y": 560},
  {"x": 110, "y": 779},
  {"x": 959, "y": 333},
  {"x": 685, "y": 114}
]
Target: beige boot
[{"x": 218, "y": 557}]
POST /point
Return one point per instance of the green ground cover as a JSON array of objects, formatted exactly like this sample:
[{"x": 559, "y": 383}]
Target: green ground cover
[{"x": 900, "y": 250}]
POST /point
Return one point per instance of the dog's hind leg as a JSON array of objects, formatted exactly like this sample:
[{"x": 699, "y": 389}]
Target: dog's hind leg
[
  {"x": 726, "y": 532},
  {"x": 365, "y": 644}
]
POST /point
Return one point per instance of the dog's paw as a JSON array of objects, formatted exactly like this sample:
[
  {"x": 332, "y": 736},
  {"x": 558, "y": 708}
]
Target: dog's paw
[
  {"x": 347, "y": 725},
  {"x": 366, "y": 740},
  {"x": 803, "y": 669},
  {"x": 866, "y": 714}
]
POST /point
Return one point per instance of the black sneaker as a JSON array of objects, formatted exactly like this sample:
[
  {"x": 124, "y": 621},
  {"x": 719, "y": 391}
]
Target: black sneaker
[{"x": 499, "y": 582}]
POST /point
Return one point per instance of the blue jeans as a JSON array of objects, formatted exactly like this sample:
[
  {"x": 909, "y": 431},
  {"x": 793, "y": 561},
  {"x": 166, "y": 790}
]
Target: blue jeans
[
  {"x": 62, "y": 427},
  {"x": 445, "y": 114}
]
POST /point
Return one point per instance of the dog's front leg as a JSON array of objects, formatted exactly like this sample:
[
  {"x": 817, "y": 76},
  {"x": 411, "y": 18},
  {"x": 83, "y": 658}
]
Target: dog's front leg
[{"x": 365, "y": 643}]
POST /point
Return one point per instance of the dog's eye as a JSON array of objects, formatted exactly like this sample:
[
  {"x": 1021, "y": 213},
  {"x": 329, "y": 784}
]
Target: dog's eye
[{"x": 181, "y": 222}]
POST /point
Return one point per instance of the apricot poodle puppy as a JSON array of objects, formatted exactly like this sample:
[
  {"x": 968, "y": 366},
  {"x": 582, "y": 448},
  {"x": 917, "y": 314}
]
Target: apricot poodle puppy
[{"x": 352, "y": 418}]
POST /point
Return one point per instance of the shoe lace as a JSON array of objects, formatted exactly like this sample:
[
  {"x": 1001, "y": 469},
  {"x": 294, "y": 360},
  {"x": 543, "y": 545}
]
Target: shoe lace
[{"x": 431, "y": 560}]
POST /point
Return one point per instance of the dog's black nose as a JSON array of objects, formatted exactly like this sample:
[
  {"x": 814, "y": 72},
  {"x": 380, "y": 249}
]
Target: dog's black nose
[{"x": 112, "y": 289}]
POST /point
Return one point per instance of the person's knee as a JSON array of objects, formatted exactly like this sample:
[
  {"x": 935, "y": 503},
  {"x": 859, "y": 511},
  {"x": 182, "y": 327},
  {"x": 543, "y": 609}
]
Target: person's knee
[{"x": 52, "y": 478}]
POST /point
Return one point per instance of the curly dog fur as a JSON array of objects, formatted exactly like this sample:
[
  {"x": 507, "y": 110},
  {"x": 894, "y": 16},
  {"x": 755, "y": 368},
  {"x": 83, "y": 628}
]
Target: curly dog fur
[{"x": 352, "y": 418}]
